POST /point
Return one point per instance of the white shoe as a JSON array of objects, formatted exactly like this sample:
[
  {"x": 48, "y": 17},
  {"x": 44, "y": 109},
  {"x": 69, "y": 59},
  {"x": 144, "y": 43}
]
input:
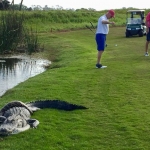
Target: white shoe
[
  {"x": 146, "y": 54},
  {"x": 103, "y": 67}
]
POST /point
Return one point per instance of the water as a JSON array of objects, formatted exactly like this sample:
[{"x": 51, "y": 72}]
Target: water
[{"x": 15, "y": 70}]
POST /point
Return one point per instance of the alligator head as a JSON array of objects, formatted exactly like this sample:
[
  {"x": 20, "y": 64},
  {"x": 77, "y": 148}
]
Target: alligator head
[
  {"x": 13, "y": 125},
  {"x": 14, "y": 120}
]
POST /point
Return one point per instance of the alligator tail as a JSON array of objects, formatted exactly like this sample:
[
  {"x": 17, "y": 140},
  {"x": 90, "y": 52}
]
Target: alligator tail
[{"x": 57, "y": 104}]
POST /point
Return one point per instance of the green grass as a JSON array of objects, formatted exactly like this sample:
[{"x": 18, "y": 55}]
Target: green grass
[
  {"x": 58, "y": 20},
  {"x": 118, "y": 117}
]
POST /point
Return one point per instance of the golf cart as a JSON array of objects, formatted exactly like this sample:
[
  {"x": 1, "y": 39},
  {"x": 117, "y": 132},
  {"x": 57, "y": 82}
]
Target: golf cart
[{"x": 135, "y": 24}]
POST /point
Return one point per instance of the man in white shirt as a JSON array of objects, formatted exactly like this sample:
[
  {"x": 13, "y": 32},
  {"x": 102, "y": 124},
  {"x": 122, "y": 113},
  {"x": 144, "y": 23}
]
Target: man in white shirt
[{"x": 101, "y": 32}]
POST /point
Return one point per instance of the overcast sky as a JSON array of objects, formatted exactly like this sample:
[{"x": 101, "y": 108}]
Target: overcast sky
[{"x": 96, "y": 4}]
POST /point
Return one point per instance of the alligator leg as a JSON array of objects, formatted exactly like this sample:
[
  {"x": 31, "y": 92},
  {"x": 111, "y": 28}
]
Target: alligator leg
[{"x": 33, "y": 123}]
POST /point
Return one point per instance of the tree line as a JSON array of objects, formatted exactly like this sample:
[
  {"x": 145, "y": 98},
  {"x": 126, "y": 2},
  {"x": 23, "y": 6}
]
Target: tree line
[{"x": 6, "y": 5}]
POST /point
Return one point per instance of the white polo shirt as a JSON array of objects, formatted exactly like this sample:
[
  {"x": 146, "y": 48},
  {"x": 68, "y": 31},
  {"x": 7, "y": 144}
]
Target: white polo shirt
[{"x": 102, "y": 28}]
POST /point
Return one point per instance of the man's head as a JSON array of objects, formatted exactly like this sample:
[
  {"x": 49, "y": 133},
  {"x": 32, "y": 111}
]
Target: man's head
[{"x": 110, "y": 14}]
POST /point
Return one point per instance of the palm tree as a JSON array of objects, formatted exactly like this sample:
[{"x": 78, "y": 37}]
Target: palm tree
[
  {"x": 21, "y": 5},
  {"x": 12, "y": 3}
]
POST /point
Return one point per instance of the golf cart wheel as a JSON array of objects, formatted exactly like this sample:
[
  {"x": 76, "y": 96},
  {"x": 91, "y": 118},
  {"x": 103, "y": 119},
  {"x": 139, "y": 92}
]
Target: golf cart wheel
[
  {"x": 140, "y": 33},
  {"x": 127, "y": 34}
]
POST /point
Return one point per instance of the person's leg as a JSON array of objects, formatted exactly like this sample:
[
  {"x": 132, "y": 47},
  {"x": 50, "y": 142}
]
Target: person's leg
[
  {"x": 146, "y": 44},
  {"x": 100, "y": 40},
  {"x": 99, "y": 55}
]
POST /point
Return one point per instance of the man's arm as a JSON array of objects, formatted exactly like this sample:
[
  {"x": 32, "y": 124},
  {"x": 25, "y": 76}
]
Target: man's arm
[
  {"x": 107, "y": 22},
  {"x": 147, "y": 28}
]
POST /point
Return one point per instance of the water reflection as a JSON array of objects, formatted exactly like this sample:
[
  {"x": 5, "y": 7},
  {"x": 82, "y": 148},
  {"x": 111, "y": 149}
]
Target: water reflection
[{"x": 16, "y": 70}]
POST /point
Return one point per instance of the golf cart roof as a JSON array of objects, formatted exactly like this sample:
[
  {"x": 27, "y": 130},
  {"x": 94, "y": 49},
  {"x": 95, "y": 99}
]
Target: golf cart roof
[{"x": 136, "y": 10}]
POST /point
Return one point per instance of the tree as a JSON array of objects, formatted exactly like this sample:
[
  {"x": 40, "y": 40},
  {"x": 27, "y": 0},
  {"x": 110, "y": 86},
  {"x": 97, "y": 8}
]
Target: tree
[
  {"x": 36, "y": 7},
  {"x": 4, "y": 4},
  {"x": 17, "y": 7},
  {"x": 21, "y": 5},
  {"x": 12, "y": 4}
]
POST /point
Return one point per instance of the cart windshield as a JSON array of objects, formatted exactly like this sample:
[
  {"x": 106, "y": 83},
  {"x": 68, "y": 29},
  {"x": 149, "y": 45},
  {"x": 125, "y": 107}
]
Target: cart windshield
[{"x": 134, "y": 21}]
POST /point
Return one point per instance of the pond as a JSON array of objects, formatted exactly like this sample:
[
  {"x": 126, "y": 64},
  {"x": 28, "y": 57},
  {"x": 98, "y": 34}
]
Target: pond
[{"x": 14, "y": 70}]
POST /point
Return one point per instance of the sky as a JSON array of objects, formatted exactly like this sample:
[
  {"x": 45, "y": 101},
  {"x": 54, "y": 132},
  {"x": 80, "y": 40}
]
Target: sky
[{"x": 96, "y": 4}]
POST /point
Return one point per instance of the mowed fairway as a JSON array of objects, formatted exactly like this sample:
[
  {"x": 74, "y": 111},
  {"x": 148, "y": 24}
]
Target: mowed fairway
[{"x": 118, "y": 97}]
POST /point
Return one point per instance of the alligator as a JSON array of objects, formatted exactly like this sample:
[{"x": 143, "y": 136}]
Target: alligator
[{"x": 15, "y": 117}]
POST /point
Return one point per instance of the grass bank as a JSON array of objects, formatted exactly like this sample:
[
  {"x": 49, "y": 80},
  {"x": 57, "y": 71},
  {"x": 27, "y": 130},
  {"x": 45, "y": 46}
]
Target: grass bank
[
  {"x": 118, "y": 117},
  {"x": 56, "y": 20}
]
